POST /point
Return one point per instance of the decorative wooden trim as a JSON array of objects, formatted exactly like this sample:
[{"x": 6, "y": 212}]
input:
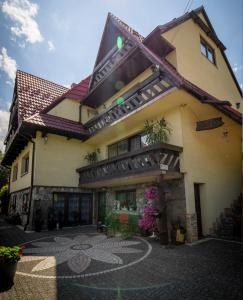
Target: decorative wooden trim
[
  {"x": 209, "y": 124},
  {"x": 142, "y": 161}
]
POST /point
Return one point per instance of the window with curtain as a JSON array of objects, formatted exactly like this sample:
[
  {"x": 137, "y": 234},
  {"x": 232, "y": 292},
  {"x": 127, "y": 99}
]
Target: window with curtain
[{"x": 127, "y": 200}]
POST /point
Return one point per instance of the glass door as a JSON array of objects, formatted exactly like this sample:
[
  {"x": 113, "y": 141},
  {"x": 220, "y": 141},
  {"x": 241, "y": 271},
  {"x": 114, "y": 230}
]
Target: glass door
[
  {"x": 102, "y": 207},
  {"x": 86, "y": 209},
  {"x": 73, "y": 209},
  {"x": 59, "y": 208}
]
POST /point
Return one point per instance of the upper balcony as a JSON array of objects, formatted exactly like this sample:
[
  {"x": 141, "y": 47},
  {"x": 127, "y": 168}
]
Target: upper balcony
[
  {"x": 147, "y": 162},
  {"x": 113, "y": 59},
  {"x": 154, "y": 86}
]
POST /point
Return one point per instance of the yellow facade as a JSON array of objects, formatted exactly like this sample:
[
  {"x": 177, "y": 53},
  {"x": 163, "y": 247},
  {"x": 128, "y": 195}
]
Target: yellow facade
[
  {"x": 194, "y": 66},
  {"x": 57, "y": 160},
  {"x": 68, "y": 109},
  {"x": 23, "y": 181},
  {"x": 210, "y": 158}
]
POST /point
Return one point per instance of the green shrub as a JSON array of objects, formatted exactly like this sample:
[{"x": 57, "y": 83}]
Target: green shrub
[{"x": 10, "y": 254}]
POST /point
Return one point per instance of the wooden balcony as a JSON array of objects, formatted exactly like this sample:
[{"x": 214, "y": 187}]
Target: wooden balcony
[
  {"x": 163, "y": 158},
  {"x": 113, "y": 58},
  {"x": 141, "y": 94}
]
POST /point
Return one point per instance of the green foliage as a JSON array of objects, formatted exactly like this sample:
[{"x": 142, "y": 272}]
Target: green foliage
[
  {"x": 157, "y": 131},
  {"x": 126, "y": 230},
  {"x": 92, "y": 157},
  {"x": 4, "y": 172},
  {"x": 4, "y": 198},
  {"x": 10, "y": 254}
]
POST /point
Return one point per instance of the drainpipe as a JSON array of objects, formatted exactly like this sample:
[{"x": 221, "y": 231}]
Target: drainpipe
[{"x": 32, "y": 178}]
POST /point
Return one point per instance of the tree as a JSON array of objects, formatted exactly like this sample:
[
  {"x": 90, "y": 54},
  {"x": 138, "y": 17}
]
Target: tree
[
  {"x": 4, "y": 172},
  {"x": 4, "y": 199}
]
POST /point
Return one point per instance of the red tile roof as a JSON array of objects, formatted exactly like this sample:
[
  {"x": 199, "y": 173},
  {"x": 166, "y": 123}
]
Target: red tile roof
[
  {"x": 35, "y": 93},
  {"x": 77, "y": 92},
  {"x": 54, "y": 122}
]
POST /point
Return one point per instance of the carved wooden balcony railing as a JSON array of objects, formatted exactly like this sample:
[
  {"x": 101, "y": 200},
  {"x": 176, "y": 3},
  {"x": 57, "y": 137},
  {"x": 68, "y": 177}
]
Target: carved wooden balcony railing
[
  {"x": 110, "y": 61},
  {"x": 141, "y": 94},
  {"x": 151, "y": 158}
]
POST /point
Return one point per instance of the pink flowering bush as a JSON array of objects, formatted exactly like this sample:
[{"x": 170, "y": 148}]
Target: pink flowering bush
[
  {"x": 148, "y": 222},
  {"x": 151, "y": 193}
]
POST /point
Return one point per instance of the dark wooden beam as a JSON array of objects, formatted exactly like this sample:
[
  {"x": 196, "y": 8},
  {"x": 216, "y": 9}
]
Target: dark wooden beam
[{"x": 209, "y": 124}]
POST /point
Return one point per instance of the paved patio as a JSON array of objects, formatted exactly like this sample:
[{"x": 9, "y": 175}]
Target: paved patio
[{"x": 78, "y": 263}]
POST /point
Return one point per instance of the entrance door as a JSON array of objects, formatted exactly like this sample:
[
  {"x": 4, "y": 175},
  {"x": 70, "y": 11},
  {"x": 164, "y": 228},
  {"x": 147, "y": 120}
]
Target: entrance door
[
  {"x": 73, "y": 208},
  {"x": 102, "y": 207},
  {"x": 86, "y": 209},
  {"x": 198, "y": 209}
]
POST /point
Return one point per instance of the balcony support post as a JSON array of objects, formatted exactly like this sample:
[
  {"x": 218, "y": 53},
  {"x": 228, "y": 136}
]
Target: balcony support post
[{"x": 162, "y": 222}]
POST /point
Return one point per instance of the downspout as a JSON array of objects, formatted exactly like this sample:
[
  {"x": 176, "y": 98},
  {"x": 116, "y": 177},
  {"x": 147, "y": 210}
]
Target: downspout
[
  {"x": 31, "y": 183},
  {"x": 32, "y": 178}
]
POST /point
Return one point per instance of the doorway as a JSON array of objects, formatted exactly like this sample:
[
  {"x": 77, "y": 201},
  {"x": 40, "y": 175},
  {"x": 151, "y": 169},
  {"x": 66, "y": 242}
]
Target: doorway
[
  {"x": 101, "y": 206},
  {"x": 73, "y": 208},
  {"x": 198, "y": 209}
]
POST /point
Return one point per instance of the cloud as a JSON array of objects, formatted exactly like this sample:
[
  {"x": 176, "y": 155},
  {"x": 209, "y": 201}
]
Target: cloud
[
  {"x": 7, "y": 64},
  {"x": 9, "y": 82},
  {"x": 22, "y": 13},
  {"x": 241, "y": 86},
  {"x": 4, "y": 118},
  {"x": 51, "y": 46},
  {"x": 237, "y": 68}
]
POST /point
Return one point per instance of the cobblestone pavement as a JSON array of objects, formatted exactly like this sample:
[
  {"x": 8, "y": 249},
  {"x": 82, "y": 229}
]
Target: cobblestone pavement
[{"x": 53, "y": 268}]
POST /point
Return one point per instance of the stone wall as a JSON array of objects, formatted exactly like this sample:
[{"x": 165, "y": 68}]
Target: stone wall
[
  {"x": 174, "y": 197},
  {"x": 19, "y": 204},
  {"x": 191, "y": 225}
]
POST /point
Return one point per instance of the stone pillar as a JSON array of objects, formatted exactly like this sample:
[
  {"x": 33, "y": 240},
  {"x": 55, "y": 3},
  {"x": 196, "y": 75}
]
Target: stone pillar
[
  {"x": 162, "y": 224},
  {"x": 191, "y": 228}
]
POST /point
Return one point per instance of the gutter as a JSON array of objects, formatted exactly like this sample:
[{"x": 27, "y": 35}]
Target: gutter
[{"x": 32, "y": 178}]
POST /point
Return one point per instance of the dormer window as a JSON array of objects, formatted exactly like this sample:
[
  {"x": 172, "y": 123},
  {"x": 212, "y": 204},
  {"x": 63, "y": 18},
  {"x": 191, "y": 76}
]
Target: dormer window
[{"x": 208, "y": 51}]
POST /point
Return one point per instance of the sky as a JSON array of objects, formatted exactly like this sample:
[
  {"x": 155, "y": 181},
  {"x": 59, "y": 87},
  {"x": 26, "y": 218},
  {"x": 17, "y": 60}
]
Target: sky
[{"x": 58, "y": 39}]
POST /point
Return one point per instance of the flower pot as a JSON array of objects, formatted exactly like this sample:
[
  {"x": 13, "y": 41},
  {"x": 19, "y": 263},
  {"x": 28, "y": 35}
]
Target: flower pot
[{"x": 7, "y": 272}]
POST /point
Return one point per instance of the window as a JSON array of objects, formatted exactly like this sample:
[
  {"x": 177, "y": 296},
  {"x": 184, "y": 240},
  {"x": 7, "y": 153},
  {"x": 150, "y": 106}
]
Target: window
[
  {"x": 14, "y": 202},
  {"x": 122, "y": 147},
  {"x": 25, "y": 165},
  {"x": 25, "y": 203},
  {"x": 126, "y": 200},
  {"x": 133, "y": 143},
  {"x": 207, "y": 51},
  {"x": 15, "y": 173}
]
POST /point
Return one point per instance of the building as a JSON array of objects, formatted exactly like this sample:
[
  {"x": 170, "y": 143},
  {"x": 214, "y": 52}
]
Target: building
[{"x": 179, "y": 72}]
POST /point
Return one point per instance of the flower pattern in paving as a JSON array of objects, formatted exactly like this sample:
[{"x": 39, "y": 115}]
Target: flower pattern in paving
[{"x": 75, "y": 254}]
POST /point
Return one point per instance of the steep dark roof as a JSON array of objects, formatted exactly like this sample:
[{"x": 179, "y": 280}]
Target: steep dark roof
[
  {"x": 77, "y": 92},
  {"x": 35, "y": 93},
  {"x": 47, "y": 122}
]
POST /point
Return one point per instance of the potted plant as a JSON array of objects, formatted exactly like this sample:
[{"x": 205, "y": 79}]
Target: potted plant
[
  {"x": 92, "y": 157},
  {"x": 157, "y": 131},
  {"x": 9, "y": 257}
]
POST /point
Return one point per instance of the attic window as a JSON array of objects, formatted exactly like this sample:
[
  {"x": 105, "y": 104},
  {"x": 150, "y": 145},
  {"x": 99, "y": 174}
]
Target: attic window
[{"x": 208, "y": 51}]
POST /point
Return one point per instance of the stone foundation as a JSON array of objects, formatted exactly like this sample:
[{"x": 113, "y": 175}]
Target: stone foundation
[
  {"x": 191, "y": 225},
  {"x": 19, "y": 204},
  {"x": 174, "y": 197},
  {"x": 43, "y": 198}
]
